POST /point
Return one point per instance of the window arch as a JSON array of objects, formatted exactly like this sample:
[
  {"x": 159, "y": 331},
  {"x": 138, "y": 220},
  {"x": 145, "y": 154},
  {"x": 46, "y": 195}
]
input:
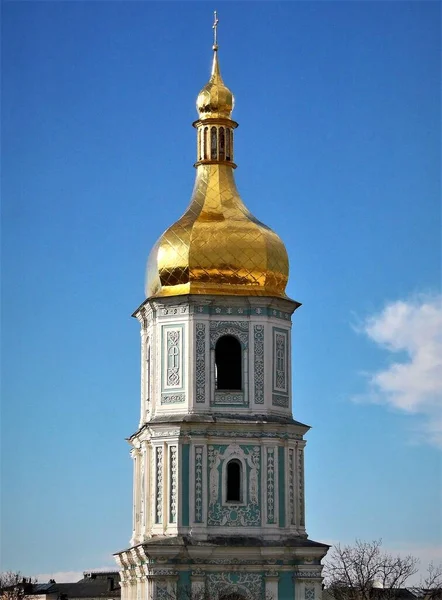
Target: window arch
[
  {"x": 227, "y": 144},
  {"x": 228, "y": 363},
  {"x": 213, "y": 148},
  {"x": 234, "y": 481},
  {"x": 206, "y": 142},
  {"x": 222, "y": 148}
]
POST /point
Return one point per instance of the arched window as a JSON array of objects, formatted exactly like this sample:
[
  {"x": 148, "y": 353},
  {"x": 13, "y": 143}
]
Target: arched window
[
  {"x": 200, "y": 144},
  {"x": 213, "y": 153},
  {"x": 228, "y": 363},
  {"x": 233, "y": 483},
  {"x": 222, "y": 153},
  {"x": 206, "y": 142},
  {"x": 227, "y": 144}
]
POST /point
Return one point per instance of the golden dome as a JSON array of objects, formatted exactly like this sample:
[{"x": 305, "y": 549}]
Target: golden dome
[
  {"x": 217, "y": 246},
  {"x": 215, "y": 100}
]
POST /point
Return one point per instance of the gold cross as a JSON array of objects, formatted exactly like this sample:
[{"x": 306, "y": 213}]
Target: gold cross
[{"x": 215, "y": 27}]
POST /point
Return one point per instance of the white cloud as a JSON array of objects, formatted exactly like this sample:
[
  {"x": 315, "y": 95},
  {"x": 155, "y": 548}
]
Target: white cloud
[{"x": 412, "y": 385}]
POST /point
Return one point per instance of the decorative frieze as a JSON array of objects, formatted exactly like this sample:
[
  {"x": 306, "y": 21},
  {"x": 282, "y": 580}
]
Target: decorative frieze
[
  {"x": 291, "y": 490},
  {"x": 173, "y": 471},
  {"x": 158, "y": 484},
  {"x": 239, "y": 329},
  {"x": 271, "y": 485},
  {"x": 278, "y": 400},
  {"x": 199, "y": 484},
  {"x": 173, "y": 345},
  {"x": 245, "y": 434},
  {"x": 258, "y": 353},
  {"x": 229, "y": 399},
  {"x": 301, "y": 509},
  {"x": 260, "y": 311},
  {"x": 173, "y": 398},
  {"x": 280, "y": 360},
  {"x": 200, "y": 362}
]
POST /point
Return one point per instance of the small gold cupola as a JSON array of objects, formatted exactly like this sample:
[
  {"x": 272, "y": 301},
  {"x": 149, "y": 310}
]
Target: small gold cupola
[{"x": 217, "y": 246}]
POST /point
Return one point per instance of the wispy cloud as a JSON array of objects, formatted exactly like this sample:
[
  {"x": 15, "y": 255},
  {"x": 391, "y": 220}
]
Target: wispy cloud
[{"x": 414, "y": 385}]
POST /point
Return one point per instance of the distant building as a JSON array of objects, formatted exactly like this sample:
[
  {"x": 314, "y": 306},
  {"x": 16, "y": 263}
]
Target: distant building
[{"x": 95, "y": 585}]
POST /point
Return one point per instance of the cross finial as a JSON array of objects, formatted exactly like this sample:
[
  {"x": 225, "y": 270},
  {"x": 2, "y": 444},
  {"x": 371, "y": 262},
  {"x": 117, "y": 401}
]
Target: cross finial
[{"x": 215, "y": 30}]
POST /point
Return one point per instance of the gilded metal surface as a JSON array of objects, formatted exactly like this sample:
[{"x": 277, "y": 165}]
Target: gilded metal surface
[
  {"x": 215, "y": 100},
  {"x": 217, "y": 246}
]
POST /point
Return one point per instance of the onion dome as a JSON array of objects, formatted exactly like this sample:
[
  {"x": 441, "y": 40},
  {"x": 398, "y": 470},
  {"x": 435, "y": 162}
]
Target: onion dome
[
  {"x": 217, "y": 246},
  {"x": 215, "y": 100}
]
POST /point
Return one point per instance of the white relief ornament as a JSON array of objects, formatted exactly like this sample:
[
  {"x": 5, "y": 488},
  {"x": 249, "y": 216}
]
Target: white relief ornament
[
  {"x": 309, "y": 592},
  {"x": 258, "y": 343},
  {"x": 239, "y": 329},
  {"x": 280, "y": 361},
  {"x": 198, "y": 484},
  {"x": 214, "y": 462},
  {"x": 270, "y": 485},
  {"x": 200, "y": 362},
  {"x": 159, "y": 485},
  {"x": 173, "y": 358},
  {"x": 292, "y": 487},
  {"x": 248, "y": 585},
  {"x": 301, "y": 487},
  {"x": 173, "y": 484}
]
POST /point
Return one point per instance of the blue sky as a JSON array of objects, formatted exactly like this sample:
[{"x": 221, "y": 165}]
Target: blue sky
[{"x": 338, "y": 150}]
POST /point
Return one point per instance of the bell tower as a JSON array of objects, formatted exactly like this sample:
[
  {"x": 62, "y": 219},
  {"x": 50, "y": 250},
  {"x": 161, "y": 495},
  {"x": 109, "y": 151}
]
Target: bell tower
[{"x": 218, "y": 495}]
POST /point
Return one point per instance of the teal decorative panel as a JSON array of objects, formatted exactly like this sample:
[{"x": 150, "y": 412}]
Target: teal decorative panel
[
  {"x": 270, "y": 485},
  {"x": 259, "y": 371},
  {"x": 286, "y": 586},
  {"x": 230, "y": 514},
  {"x": 281, "y": 476},
  {"x": 198, "y": 484},
  {"x": 185, "y": 452},
  {"x": 249, "y": 585}
]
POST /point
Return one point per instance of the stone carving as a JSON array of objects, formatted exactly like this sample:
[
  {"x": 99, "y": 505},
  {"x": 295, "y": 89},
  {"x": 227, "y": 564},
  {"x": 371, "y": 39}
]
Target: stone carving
[
  {"x": 172, "y": 398},
  {"x": 200, "y": 362},
  {"x": 301, "y": 487},
  {"x": 173, "y": 483},
  {"x": 278, "y": 400},
  {"x": 142, "y": 488},
  {"x": 234, "y": 515},
  {"x": 250, "y": 585},
  {"x": 239, "y": 329},
  {"x": 161, "y": 592},
  {"x": 258, "y": 343},
  {"x": 198, "y": 484},
  {"x": 159, "y": 485},
  {"x": 309, "y": 592},
  {"x": 246, "y": 434},
  {"x": 229, "y": 398},
  {"x": 270, "y": 485},
  {"x": 292, "y": 487},
  {"x": 164, "y": 433},
  {"x": 280, "y": 366},
  {"x": 173, "y": 358},
  {"x": 174, "y": 310}
]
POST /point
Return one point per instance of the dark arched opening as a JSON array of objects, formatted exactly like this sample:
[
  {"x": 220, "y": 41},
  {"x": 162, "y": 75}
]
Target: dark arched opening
[
  {"x": 233, "y": 491},
  {"x": 213, "y": 148},
  {"x": 228, "y": 359}
]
